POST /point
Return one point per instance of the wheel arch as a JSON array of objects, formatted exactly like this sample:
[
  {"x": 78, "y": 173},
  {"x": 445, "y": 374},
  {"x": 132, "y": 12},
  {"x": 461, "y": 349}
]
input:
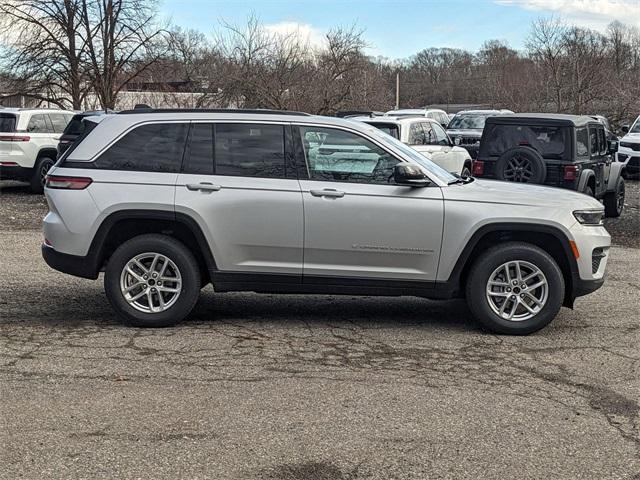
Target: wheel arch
[
  {"x": 550, "y": 239},
  {"x": 123, "y": 225},
  {"x": 47, "y": 152},
  {"x": 587, "y": 177}
]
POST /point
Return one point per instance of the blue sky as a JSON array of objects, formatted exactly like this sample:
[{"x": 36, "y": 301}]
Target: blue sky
[{"x": 400, "y": 28}]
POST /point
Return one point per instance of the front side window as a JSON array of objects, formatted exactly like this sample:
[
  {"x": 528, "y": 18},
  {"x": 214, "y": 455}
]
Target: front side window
[
  {"x": 339, "y": 156},
  {"x": 38, "y": 124},
  {"x": 440, "y": 135},
  {"x": 154, "y": 147},
  {"x": 59, "y": 121}
]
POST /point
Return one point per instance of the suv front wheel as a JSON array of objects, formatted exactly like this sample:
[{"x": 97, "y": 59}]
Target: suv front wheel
[
  {"x": 515, "y": 288},
  {"x": 152, "y": 281}
]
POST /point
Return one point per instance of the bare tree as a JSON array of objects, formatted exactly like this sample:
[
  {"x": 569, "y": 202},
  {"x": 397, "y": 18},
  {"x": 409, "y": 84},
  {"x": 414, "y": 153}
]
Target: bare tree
[
  {"x": 44, "y": 50},
  {"x": 123, "y": 39}
]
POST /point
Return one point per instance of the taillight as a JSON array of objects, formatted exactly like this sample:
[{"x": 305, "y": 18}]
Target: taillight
[
  {"x": 570, "y": 172},
  {"x": 478, "y": 168},
  {"x": 15, "y": 138},
  {"x": 68, "y": 183}
]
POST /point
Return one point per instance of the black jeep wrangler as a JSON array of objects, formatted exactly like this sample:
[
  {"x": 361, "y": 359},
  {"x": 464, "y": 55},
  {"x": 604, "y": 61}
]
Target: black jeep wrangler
[{"x": 567, "y": 151}]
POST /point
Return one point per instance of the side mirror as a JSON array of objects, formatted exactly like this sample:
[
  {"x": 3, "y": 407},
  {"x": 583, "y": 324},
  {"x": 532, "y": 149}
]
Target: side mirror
[
  {"x": 613, "y": 147},
  {"x": 625, "y": 128},
  {"x": 410, "y": 175}
]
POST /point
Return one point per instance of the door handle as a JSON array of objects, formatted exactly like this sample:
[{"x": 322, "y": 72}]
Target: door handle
[
  {"x": 203, "y": 186},
  {"x": 327, "y": 192}
]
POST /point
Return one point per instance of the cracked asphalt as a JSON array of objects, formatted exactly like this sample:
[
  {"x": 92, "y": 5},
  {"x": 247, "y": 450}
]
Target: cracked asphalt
[{"x": 310, "y": 387}]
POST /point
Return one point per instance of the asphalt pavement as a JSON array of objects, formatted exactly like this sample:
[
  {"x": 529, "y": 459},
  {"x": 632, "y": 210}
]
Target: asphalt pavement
[{"x": 311, "y": 387}]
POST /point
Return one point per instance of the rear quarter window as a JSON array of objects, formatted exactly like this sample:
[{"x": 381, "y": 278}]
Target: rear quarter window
[
  {"x": 7, "y": 123},
  {"x": 155, "y": 147}
]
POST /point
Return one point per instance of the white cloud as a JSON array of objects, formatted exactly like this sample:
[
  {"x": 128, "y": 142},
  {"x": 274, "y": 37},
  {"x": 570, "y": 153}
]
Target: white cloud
[
  {"x": 305, "y": 32},
  {"x": 587, "y": 13}
]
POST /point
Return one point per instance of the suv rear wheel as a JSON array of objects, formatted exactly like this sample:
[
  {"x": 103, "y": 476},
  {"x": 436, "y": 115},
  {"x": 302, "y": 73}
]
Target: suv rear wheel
[
  {"x": 515, "y": 288},
  {"x": 42, "y": 167},
  {"x": 152, "y": 281}
]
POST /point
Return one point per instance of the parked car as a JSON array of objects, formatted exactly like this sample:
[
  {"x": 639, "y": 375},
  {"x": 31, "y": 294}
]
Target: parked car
[
  {"x": 629, "y": 150},
  {"x": 565, "y": 151},
  {"x": 77, "y": 127},
  {"x": 28, "y": 141},
  {"x": 465, "y": 129},
  {"x": 357, "y": 113},
  {"x": 427, "y": 137},
  {"x": 436, "y": 114},
  {"x": 165, "y": 202}
]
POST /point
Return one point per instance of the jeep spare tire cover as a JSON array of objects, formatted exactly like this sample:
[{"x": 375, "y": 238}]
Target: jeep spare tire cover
[{"x": 521, "y": 164}]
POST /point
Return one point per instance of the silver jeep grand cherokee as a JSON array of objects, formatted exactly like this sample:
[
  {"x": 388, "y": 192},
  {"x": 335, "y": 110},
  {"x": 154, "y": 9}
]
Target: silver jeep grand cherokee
[{"x": 167, "y": 201}]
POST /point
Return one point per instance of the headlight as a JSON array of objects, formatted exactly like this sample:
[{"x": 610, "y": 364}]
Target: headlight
[{"x": 589, "y": 217}]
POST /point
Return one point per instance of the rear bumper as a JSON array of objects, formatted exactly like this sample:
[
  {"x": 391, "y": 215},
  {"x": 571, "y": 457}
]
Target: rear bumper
[
  {"x": 75, "y": 265},
  {"x": 15, "y": 172}
]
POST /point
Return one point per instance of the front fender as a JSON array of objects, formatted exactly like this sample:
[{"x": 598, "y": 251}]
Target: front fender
[{"x": 616, "y": 170}]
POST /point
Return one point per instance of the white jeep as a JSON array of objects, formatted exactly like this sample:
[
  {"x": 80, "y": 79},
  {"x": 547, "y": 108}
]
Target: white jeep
[{"x": 426, "y": 136}]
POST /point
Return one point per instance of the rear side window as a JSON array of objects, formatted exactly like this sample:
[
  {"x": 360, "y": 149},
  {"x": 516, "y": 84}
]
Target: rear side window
[
  {"x": 582, "y": 142},
  {"x": 7, "y": 123},
  {"x": 200, "y": 157},
  {"x": 156, "y": 147},
  {"x": 39, "y": 124},
  {"x": 249, "y": 150}
]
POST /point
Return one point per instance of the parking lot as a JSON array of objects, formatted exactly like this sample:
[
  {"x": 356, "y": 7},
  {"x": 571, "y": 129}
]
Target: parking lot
[{"x": 311, "y": 387}]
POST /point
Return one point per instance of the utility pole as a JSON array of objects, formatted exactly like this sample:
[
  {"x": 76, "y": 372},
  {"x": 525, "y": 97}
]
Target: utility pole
[{"x": 397, "y": 90}]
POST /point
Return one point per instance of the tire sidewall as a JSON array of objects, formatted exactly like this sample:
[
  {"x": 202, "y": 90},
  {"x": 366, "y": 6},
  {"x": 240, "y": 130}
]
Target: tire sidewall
[
  {"x": 36, "y": 182},
  {"x": 539, "y": 167},
  {"x": 173, "y": 250},
  {"x": 485, "y": 266}
]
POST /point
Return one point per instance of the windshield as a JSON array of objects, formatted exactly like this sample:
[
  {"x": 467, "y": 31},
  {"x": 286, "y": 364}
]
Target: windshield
[
  {"x": 415, "y": 156},
  {"x": 7, "y": 123},
  {"x": 388, "y": 128},
  {"x": 468, "y": 122},
  {"x": 636, "y": 126}
]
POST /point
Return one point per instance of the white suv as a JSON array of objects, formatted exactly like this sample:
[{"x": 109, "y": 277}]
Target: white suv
[
  {"x": 165, "y": 202},
  {"x": 426, "y": 136},
  {"x": 28, "y": 143},
  {"x": 436, "y": 114},
  {"x": 629, "y": 150}
]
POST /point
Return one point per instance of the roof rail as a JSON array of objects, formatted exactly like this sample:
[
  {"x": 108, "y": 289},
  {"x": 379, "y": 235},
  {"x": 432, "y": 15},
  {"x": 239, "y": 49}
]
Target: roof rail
[{"x": 212, "y": 110}]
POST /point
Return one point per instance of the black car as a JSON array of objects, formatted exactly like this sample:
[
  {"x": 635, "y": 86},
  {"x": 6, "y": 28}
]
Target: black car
[
  {"x": 465, "y": 128},
  {"x": 567, "y": 151},
  {"x": 76, "y": 127}
]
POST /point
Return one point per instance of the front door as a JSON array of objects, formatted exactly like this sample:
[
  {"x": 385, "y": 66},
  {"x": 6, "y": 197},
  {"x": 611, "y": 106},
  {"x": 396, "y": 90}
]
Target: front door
[
  {"x": 357, "y": 222},
  {"x": 237, "y": 184}
]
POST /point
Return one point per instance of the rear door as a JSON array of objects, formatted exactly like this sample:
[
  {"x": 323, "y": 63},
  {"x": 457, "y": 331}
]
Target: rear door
[{"x": 238, "y": 183}]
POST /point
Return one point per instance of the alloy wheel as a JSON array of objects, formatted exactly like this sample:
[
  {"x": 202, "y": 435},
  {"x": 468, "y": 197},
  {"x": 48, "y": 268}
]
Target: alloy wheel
[
  {"x": 518, "y": 169},
  {"x": 151, "y": 282},
  {"x": 517, "y": 290}
]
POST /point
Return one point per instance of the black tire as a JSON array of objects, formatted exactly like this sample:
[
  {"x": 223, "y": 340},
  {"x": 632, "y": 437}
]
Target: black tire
[
  {"x": 521, "y": 164},
  {"x": 174, "y": 251},
  {"x": 588, "y": 190},
  {"x": 486, "y": 265},
  {"x": 614, "y": 201},
  {"x": 42, "y": 167}
]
